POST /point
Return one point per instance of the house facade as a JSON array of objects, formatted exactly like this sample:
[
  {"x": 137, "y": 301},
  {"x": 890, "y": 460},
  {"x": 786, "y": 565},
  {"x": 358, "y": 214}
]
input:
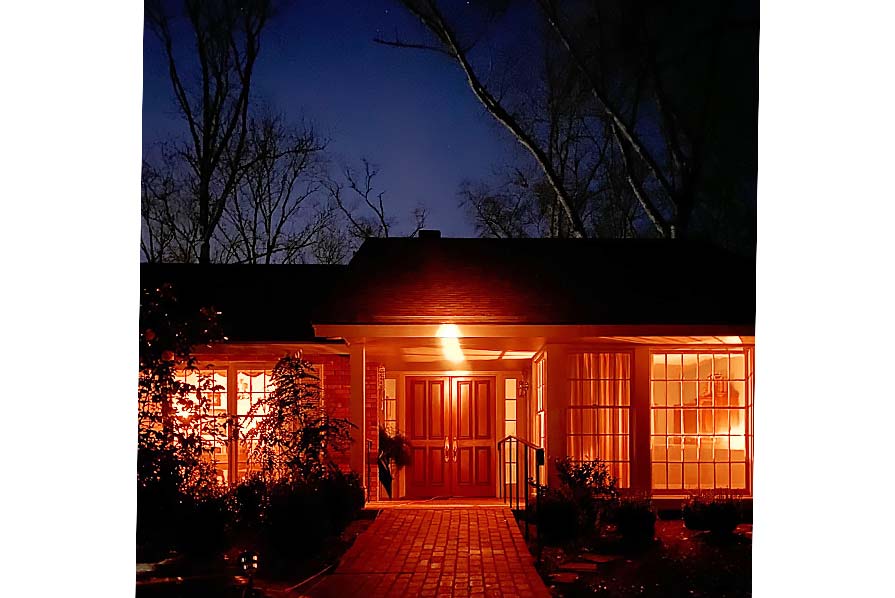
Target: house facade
[{"x": 482, "y": 351}]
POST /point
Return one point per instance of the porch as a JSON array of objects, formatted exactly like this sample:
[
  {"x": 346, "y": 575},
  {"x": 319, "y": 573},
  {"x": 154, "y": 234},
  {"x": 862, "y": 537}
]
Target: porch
[{"x": 671, "y": 415}]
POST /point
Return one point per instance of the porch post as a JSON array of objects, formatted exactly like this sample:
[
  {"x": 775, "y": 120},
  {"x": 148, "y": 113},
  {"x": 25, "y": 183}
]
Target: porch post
[
  {"x": 357, "y": 358},
  {"x": 641, "y": 459},
  {"x": 556, "y": 401}
]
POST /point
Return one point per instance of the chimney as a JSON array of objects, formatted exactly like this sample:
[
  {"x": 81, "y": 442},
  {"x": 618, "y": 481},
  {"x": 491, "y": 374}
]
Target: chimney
[{"x": 429, "y": 234}]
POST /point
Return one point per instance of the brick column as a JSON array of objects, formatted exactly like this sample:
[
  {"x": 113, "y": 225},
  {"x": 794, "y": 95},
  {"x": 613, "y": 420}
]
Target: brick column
[
  {"x": 357, "y": 409},
  {"x": 374, "y": 389}
]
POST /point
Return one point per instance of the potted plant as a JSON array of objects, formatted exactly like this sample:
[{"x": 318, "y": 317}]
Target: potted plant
[{"x": 394, "y": 449}]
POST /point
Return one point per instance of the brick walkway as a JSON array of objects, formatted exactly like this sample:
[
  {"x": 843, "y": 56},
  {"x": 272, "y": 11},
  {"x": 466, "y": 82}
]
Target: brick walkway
[{"x": 436, "y": 552}]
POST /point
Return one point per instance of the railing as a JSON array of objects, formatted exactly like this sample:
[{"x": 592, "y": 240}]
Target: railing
[{"x": 519, "y": 473}]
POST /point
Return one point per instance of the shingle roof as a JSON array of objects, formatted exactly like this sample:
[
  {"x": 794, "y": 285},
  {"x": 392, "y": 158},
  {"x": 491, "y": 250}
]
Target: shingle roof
[
  {"x": 258, "y": 302},
  {"x": 542, "y": 281},
  {"x": 487, "y": 281}
]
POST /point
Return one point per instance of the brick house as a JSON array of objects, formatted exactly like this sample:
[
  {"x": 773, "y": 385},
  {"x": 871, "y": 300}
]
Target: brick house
[{"x": 639, "y": 352}]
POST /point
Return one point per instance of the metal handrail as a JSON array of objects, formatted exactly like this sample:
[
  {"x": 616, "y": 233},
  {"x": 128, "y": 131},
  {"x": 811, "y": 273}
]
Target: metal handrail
[
  {"x": 519, "y": 440},
  {"x": 505, "y": 450}
]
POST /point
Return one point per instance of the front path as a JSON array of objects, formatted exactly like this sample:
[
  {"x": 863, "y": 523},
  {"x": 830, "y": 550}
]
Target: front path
[{"x": 476, "y": 551}]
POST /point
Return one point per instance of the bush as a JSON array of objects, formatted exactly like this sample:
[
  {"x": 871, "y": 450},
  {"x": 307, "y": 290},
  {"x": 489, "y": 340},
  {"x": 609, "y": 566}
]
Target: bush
[
  {"x": 556, "y": 517},
  {"x": 716, "y": 513},
  {"x": 635, "y": 519},
  {"x": 291, "y": 519},
  {"x": 577, "y": 507}
]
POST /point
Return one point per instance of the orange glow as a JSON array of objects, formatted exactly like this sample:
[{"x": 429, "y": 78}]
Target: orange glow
[{"x": 450, "y": 344}]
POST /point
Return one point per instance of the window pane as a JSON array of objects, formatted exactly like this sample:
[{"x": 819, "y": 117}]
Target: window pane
[
  {"x": 659, "y": 366},
  {"x": 721, "y": 366},
  {"x": 674, "y": 394},
  {"x": 689, "y": 393},
  {"x": 511, "y": 409},
  {"x": 659, "y": 476},
  {"x": 690, "y": 370},
  {"x": 659, "y": 393}
]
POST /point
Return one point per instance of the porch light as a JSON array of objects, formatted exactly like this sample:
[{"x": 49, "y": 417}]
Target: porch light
[{"x": 450, "y": 345}]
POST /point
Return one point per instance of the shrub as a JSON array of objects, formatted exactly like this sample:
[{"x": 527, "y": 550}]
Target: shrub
[
  {"x": 590, "y": 486},
  {"x": 556, "y": 517},
  {"x": 577, "y": 506},
  {"x": 291, "y": 518},
  {"x": 716, "y": 513},
  {"x": 635, "y": 519}
]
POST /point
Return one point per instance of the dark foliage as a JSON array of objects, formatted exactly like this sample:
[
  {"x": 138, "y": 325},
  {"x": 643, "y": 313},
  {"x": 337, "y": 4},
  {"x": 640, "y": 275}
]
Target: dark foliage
[
  {"x": 295, "y": 437},
  {"x": 175, "y": 487},
  {"x": 575, "y": 509},
  {"x": 716, "y": 513},
  {"x": 393, "y": 449},
  {"x": 290, "y": 519},
  {"x": 634, "y": 519},
  {"x": 556, "y": 517}
]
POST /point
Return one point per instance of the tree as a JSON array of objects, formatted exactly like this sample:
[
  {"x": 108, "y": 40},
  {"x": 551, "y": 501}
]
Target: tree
[
  {"x": 294, "y": 436},
  {"x": 213, "y": 98},
  {"x": 645, "y": 104},
  {"x": 173, "y": 416},
  {"x": 363, "y": 208},
  {"x": 272, "y": 215}
]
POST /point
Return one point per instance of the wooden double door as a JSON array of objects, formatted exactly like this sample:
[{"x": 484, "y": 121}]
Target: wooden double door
[{"x": 450, "y": 425}]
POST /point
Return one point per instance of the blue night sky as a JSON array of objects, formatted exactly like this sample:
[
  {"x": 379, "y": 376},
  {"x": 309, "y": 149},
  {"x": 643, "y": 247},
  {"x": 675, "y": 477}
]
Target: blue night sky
[{"x": 407, "y": 111}]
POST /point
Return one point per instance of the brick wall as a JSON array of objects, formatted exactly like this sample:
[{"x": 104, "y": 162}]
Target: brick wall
[
  {"x": 374, "y": 396},
  {"x": 336, "y": 393}
]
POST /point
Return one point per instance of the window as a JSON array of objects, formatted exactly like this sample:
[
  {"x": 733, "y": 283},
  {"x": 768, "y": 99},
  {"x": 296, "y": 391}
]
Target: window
[
  {"x": 211, "y": 386},
  {"x": 599, "y": 411},
  {"x": 390, "y": 406},
  {"x": 510, "y": 426},
  {"x": 228, "y": 450},
  {"x": 701, "y": 420},
  {"x": 254, "y": 385},
  {"x": 539, "y": 433},
  {"x": 510, "y": 406}
]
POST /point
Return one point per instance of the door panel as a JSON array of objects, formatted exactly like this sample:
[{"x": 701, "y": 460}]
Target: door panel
[
  {"x": 428, "y": 417},
  {"x": 474, "y": 413},
  {"x": 451, "y": 428}
]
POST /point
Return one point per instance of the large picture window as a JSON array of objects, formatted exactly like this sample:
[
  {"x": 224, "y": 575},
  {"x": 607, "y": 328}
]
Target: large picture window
[
  {"x": 701, "y": 420},
  {"x": 229, "y": 448},
  {"x": 599, "y": 410}
]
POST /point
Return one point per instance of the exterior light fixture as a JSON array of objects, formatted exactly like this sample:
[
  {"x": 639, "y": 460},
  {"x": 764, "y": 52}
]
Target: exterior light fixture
[
  {"x": 248, "y": 560},
  {"x": 450, "y": 345}
]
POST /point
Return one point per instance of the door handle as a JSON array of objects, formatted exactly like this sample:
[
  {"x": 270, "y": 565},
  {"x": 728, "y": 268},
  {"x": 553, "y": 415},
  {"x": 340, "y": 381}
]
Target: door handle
[
  {"x": 447, "y": 449},
  {"x": 455, "y": 449}
]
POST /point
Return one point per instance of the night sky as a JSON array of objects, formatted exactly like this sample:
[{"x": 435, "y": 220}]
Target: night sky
[{"x": 409, "y": 112}]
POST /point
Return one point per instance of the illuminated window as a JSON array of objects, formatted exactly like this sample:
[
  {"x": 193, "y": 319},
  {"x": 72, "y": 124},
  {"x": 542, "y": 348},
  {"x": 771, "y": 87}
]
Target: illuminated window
[
  {"x": 228, "y": 450},
  {"x": 510, "y": 425},
  {"x": 539, "y": 433},
  {"x": 599, "y": 411},
  {"x": 390, "y": 406},
  {"x": 211, "y": 390},
  {"x": 701, "y": 420},
  {"x": 253, "y": 385}
]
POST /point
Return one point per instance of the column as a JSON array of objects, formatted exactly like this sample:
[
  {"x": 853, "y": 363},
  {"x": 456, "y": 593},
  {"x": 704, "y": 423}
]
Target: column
[
  {"x": 556, "y": 401},
  {"x": 357, "y": 357},
  {"x": 641, "y": 457}
]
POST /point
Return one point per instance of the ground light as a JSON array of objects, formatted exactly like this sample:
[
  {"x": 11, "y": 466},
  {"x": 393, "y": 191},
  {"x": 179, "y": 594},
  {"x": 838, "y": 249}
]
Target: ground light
[{"x": 249, "y": 562}]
